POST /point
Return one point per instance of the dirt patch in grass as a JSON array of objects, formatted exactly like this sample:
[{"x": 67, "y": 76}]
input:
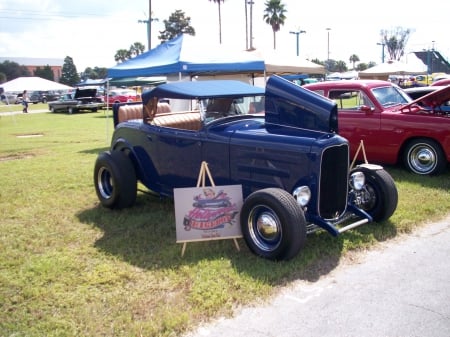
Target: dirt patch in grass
[
  {"x": 29, "y": 135},
  {"x": 17, "y": 156}
]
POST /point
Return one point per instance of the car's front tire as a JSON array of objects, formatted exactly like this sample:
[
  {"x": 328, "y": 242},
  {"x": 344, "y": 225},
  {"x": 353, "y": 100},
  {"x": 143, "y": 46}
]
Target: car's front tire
[
  {"x": 115, "y": 180},
  {"x": 379, "y": 196},
  {"x": 425, "y": 157},
  {"x": 273, "y": 224}
]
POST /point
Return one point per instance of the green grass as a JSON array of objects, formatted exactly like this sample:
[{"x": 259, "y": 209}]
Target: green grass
[{"x": 69, "y": 267}]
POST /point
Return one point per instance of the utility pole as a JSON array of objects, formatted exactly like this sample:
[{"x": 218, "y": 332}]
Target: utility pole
[{"x": 149, "y": 25}]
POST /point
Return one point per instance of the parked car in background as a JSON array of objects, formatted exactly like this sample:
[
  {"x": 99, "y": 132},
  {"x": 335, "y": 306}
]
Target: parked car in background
[
  {"x": 392, "y": 126},
  {"x": 423, "y": 80},
  {"x": 441, "y": 82},
  {"x": 121, "y": 96},
  {"x": 280, "y": 144},
  {"x": 11, "y": 98},
  {"x": 80, "y": 100},
  {"x": 43, "y": 96},
  {"x": 421, "y": 92}
]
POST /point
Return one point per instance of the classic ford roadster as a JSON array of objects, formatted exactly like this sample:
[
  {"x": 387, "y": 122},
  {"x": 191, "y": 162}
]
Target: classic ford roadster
[{"x": 279, "y": 143}]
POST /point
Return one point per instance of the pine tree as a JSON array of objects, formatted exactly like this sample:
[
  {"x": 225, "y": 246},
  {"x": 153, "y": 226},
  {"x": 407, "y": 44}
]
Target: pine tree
[{"x": 69, "y": 75}]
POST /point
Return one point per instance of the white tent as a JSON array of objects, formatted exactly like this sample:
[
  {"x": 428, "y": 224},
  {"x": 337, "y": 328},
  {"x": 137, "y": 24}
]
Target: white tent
[
  {"x": 382, "y": 71},
  {"x": 32, "y": 84},
  {"x": 280, "y": 63}
]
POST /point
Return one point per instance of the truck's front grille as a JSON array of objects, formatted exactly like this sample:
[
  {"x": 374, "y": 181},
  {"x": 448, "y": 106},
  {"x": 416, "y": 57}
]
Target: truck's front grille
[{"x": 333, "y": 181}]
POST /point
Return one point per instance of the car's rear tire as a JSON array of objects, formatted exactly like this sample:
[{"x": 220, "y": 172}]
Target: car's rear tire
[
  {"x": 52, "y": 109},
  {"x": 379, "y": 197},
  {"x": 425, "y": 157},
  {"x": 70, "y": 111},
  {"x": 115, "y": 180},
  {"x": 273, "y": 224}
]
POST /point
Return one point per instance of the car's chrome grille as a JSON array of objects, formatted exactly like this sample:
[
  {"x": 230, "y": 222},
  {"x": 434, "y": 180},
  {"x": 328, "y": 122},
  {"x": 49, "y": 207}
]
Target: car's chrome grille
[{"x": 333, "y": 181}]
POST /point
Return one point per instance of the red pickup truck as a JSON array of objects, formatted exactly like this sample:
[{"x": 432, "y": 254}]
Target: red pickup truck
[{"x": 393, "y": 128}]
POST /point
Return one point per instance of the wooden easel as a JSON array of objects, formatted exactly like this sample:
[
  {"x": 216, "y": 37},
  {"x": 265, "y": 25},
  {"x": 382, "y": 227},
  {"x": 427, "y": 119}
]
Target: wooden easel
[
  {"x": 201, "y": 182},
  {"x": 360, "y": 148}
]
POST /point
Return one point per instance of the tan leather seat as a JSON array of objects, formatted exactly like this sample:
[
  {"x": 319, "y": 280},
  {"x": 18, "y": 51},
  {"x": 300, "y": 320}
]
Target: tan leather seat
[
  {"x": 183, "y": 120},
  {"x": 127, "y": 112}
]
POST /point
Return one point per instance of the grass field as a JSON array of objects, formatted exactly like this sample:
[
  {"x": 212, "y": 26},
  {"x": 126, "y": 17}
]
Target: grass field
[{"x": 69, "y": 267}]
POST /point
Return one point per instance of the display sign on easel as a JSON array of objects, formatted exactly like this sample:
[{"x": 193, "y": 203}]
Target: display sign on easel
[{"x": 207, "y": 212}]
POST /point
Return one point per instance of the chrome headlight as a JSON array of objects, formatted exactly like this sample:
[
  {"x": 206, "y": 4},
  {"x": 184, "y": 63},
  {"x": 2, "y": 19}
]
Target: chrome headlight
[
  {"x": 302, "y": 194},
  {"x": 357, "y": 180}
]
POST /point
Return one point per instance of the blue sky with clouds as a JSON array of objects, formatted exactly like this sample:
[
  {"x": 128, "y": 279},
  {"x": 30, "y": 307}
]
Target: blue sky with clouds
[{"x": 91, "y": 31}]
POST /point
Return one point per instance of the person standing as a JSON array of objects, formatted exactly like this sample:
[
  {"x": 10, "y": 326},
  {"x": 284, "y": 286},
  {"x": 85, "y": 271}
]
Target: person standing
[{"x": 25, "y": 101}]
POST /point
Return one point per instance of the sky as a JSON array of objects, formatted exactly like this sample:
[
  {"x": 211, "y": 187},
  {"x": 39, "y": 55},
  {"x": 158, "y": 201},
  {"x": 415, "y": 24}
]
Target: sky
[{"x": 91, "y": 31}]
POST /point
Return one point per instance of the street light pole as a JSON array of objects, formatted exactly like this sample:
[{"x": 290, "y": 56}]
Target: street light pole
[
  {"x": 382, "y": 44},
  {"x": 297, "y": 33},
  {"x": 328, "y": 48},
  {"x": 251, "y": 3}
]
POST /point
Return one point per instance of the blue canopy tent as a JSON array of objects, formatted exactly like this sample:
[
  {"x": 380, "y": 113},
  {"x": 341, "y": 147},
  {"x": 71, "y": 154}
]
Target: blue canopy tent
[{"x": 185, "y": 56}]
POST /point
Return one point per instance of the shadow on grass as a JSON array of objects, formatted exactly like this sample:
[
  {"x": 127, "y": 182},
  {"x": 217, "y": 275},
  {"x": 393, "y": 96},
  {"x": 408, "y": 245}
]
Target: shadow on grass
[
  {"x": 96, "y": 150},
  {"x": 145, "y": 236}
]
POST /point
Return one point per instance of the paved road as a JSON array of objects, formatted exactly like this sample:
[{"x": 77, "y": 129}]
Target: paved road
[{"x": 399, "y": 289}]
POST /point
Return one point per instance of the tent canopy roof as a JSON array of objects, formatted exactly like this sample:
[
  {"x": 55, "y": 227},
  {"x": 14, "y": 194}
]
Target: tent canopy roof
[
  {"x": 279, "y": 63},
  {"x": 185, "y": 55},
  {"x": 394, "y": 68},
  {"x": 32, "y": 84}
]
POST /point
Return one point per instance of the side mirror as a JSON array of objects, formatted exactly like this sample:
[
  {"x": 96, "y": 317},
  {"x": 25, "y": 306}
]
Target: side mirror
[{"x": 366, "y": 109}]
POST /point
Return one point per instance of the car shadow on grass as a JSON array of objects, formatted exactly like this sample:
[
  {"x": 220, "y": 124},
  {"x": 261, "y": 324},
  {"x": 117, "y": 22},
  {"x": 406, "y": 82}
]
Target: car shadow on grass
[
  {"x": 96, "y": 150},
  {"x": 145, "y": 236}
]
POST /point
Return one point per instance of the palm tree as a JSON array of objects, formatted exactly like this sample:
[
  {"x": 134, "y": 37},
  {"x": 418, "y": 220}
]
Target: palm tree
[
  {"x": 220, "y": 19},
  {"x": 353, "y": 59},
  {"x": 274, "y": 16}
]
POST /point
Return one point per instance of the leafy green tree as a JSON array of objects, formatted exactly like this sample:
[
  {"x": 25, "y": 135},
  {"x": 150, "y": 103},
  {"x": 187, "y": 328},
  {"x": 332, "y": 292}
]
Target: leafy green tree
[
  {"x": 45, "y": 72},
  {"x": 12, "y": 70},
  {"x": 95, "y": 73},
  {"x": 176, "y": 25},
  {"x": 330, "y": 65},
  {"x": 353, "y": 59},
  {"x": 69, "y": 74},
  {"x": 136, "y": 49},
  {"x": 274, "y": 15},
  {"x": 340, "y": 66},
  {"x": 361, "y": 66},
  {"x": 317, "y": 61},
  {"x": 220, "y": 18},
  {"x": 395, "y": 41},
  {"x": 122, "y": 55}
]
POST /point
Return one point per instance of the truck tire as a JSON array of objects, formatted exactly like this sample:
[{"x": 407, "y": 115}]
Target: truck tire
[
  {"x": 425, "y": 157},
  {"x": 115, "y": 180},
  {"x": 379, "y": 196},
  {"x": 273, "y": 224}
]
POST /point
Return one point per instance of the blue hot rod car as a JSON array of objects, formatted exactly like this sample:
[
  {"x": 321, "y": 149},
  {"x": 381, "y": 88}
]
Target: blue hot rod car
[{"x": 280, "y": 143}]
